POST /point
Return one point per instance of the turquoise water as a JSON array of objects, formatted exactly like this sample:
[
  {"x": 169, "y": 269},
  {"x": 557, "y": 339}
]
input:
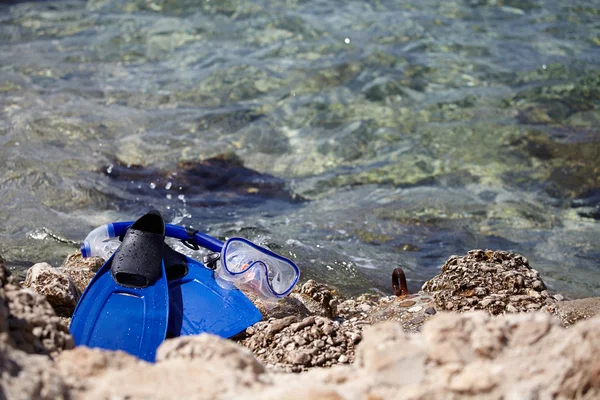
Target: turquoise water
[{"x": 412, "y": 130}]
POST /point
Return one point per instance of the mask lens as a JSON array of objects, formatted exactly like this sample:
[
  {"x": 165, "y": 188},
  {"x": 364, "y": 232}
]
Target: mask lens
[{"x": 241, "y": 256}]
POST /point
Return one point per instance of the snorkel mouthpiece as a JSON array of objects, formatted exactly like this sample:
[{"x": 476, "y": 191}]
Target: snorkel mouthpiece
[{"x": 100, "y": 242}]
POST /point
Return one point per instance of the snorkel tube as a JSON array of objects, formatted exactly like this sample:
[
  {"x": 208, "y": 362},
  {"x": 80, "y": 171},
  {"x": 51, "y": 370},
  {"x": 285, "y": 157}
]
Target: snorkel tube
[{"x": 96, "y": 244}]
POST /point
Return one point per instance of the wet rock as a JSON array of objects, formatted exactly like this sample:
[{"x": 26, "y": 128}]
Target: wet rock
[
  {"x": 56, "y": 286},
  {"x": 588, "y": 204},
  {"x": 81, "y": 270},
  {"x": 407, "y": 303},
  {"x": 495, "y": 281}
]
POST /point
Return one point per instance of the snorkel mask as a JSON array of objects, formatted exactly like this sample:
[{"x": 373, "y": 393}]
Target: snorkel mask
[{"x": 237, "y": 261}]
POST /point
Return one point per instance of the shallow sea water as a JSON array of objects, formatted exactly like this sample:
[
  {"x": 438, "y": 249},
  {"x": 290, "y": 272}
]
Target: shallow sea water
[{"x": 414, "y": 130}]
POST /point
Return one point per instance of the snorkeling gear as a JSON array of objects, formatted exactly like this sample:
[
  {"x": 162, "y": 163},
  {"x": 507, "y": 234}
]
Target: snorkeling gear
[
  {"x": 237, "y": 261},
  {"x": 190, "y": 300},
  {"x": 126, "y": 305}
]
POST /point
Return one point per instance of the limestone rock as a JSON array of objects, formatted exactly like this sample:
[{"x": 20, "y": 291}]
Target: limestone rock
[
  {"x": 81, "y": 270},
  {"x": 457, "y": 356},
  {"x": 495, "y": 281},
  {"x": 56, "y": 286},
  {"x": 81, "y": 366},
  {"x": 281, "y": 308},
  {"x": 410, "y": 310},
  {"x": 29, "y": 376},
  {"x": 475, "y": 355},
  {"x": 319, "y": 298},
  {"x": 210, "y": 350},
  {"x": 199, "y": 367},
  {"x": 28, "y": 324},
  {"x": 569, "y": 312},
  {"x": 294, "y": 344},
  {"x": 391, "y": 355},
  {"x": 32, "y": 324}
]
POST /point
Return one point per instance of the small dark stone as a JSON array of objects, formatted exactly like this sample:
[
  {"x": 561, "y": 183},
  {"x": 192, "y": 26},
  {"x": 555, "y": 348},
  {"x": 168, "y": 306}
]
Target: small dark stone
[{"x": 430, "y": 311}]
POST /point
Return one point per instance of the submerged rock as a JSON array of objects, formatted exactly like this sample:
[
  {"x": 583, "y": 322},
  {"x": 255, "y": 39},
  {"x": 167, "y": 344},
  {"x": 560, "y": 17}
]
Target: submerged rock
[
  {"x": 495, "y": 281},
  {"x": 588, "y": 204},
  {"x": 200, "y": 182}
]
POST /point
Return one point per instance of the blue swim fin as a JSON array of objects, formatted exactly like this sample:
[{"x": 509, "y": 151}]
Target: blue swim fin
[
  {"x": 126, "y": 305},
  {"x": 199, "y": 305}
]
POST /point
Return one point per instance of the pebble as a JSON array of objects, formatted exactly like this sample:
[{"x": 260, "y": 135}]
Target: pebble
[
  {"x": 415, "y": 309},
  {"x": 364, "y": 307},
  {"x": 430, "y": 311},
  {"x": 299, "y": 358},
  {"x": 299, "y": 340},
  {"x": 407, "y": 303},
  {"x": 417, "y": 320}
]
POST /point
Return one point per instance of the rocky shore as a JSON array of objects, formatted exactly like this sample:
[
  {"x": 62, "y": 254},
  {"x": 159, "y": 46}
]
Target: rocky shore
[{"x": 486, "y": 326}]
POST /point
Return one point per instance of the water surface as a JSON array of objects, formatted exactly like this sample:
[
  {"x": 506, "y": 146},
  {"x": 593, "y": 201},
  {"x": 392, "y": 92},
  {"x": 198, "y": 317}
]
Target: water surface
[{"x": 414, "y": 130}]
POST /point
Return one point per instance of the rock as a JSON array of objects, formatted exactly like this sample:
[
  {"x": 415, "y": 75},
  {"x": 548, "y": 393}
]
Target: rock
[
  {"x": 56, "y": 286},
  {"x": 28, "y": 324},
  {"x": 81, "y": 270},
  {"x": 294, "y": 345},
  {"x": 415, "y": 309},
  {"x": 29, "y": 376},
  {"x": 277, "y": 325},
  {"x": 494, "y": 281},
  {"x": 281, "y": 308},
  {"x": 81, "y": 366},
  {"x": 222, "y": 180},
  {"x": 469, "y": 355},
  {"x": 569, "y": 312},
  {"x": 430, "y": 311},
  {"x": 32, "y": 323},
  {"x": 299, "y": 358},
  {"x": 408, "y": 310},
  {"x": 391, "y": 355},
  {"x": 407, "y": 304},
  {"x": 210, "y": 350},
  {"x": 319, "y": 298}
]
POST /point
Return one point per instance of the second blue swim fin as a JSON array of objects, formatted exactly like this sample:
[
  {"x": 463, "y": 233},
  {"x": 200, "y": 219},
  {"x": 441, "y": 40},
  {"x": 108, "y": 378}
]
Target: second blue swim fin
[
  {"x": 126, "y": 305},
  {"x": 199, "y": 305}
]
